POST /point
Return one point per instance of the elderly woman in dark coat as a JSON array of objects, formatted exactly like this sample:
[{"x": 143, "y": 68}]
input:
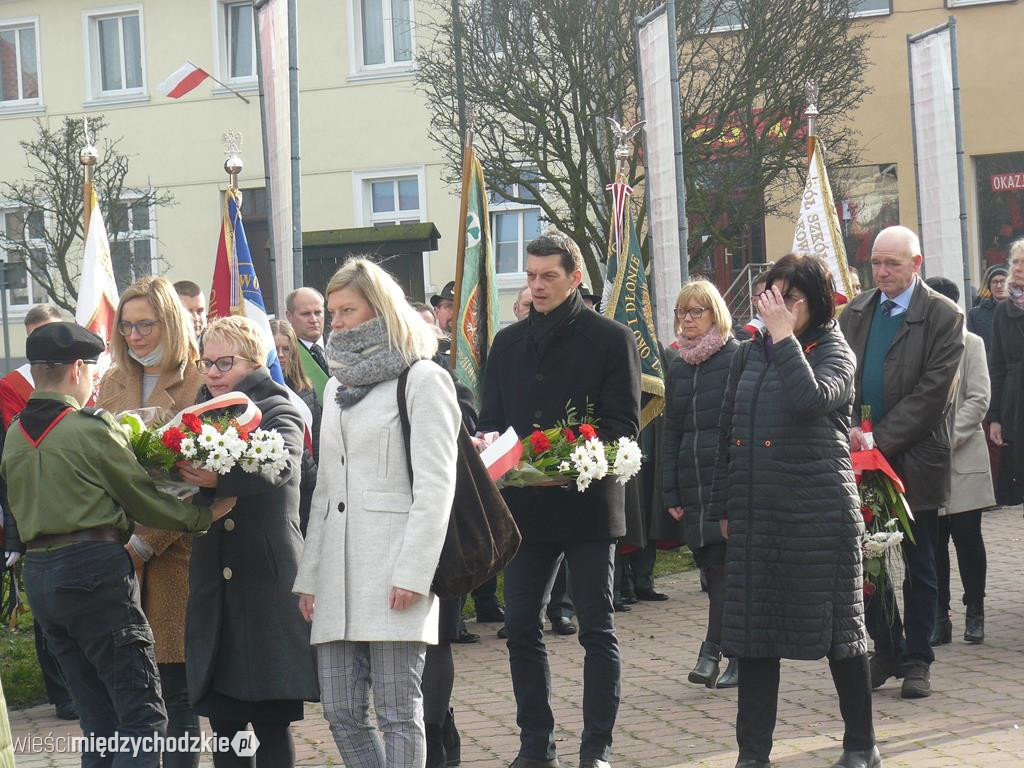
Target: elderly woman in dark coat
[
  {"x": 246, "y": 647},
  {"x": 787, "y": 500},
  {"x": 697, "y": 374}
]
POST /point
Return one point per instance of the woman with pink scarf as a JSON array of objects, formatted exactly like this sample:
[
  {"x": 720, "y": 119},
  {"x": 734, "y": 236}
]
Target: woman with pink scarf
[{"x": 697, "y": 374}]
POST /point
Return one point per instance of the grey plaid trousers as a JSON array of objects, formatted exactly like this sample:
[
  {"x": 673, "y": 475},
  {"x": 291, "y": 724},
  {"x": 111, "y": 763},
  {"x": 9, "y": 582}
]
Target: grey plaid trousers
[{"x": 394, "y": 670}]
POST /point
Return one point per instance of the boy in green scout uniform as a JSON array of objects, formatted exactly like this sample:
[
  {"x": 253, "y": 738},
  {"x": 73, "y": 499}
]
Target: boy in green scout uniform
[{"x": 75, "y": 489}]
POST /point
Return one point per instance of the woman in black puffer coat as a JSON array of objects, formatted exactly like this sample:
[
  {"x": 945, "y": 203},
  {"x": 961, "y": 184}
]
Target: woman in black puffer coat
[
  {"x": 786, "y": 495},
  {"x": 697, "y": 373}
]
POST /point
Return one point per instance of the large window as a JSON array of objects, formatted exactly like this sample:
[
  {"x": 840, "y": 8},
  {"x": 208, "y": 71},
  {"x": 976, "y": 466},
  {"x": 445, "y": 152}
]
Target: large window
[
  {"x": 237, "y": 41},
  {"x": 390, "y": 198},
  {"x": 719, "y": 15},
  {"x": 867, "y": 201},
  {"x": 116, "y": 64},
  {"x": 870, "y": 7},
  {"x": 132, "y": 241},
  {"x": 19, "y": 65},
  {"x": 27, "y": 229},
  {"x": 513, "y": 225},
  {"x": 1000, "y": 196},
  {"x": 383, "y": 34}
]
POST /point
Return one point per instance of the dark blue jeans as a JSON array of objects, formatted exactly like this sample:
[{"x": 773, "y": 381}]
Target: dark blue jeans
[
  {"x": 528, "y": 579},
  {"x": 909, "y": 638},
  {"x": 86, "y": 599}
]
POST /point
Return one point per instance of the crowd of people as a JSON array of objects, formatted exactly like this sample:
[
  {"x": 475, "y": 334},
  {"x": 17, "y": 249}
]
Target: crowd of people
[{"x": 315, "y": 584}]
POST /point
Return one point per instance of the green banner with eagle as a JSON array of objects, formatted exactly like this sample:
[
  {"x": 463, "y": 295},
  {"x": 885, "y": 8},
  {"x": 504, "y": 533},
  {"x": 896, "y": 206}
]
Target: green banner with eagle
[{"x": 476, "y": 294}]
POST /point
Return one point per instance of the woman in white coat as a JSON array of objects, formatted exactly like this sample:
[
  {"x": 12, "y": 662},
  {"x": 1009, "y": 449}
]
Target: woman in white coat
[
  {"x": 971, "y": 489},
  {"x": 375, "y": 536}
]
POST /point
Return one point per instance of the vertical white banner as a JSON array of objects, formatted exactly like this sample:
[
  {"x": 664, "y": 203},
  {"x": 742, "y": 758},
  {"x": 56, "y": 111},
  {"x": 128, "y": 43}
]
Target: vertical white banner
[
  {"x": 938, "y": 182},
  {"x": 655, "y": 53},
  {"x": 272, "y": 28}
]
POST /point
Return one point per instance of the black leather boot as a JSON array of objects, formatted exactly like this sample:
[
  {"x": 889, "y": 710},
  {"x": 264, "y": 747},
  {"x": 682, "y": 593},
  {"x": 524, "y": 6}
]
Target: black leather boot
[
  {"x": 452, "y": 740},
  {"x": 705, "y": 672},
  {"x": 860, "y": 759},
  {"x": 942, "y": 634},
  {"x": 974, "y": 631},
  {"x": 435, "y": 747},
  {"x": 731, "y": 677}
]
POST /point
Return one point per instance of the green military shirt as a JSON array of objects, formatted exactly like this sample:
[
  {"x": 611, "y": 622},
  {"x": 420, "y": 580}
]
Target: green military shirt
[{"x": 78, "y": 471}]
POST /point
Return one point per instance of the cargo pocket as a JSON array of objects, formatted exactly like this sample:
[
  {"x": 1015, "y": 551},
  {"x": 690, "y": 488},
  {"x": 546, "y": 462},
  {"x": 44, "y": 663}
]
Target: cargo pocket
[{"x": 134, "y": 660}]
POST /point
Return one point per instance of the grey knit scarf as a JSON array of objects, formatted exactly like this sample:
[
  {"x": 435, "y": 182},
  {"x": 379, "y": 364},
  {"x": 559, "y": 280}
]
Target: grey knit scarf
[{"x": 362, "y": 358}]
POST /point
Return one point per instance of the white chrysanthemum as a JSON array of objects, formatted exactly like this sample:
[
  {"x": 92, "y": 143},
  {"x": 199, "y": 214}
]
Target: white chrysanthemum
[
  {"x": 564, "y": 467},
  {"x": 583, "y": 482},
  {"x": 628, "y": 459},
  {"x": 879, "y": 543},
  {"x": 188, "y": 448},
  {"x": 891, "y": 522},
  {"x": 219, "y": 460},
  {"x": 207, "y": 438},
  {"x": 249, "y": 464}
]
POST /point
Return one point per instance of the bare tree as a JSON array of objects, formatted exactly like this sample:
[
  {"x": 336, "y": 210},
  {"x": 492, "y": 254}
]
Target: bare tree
[
  {"x": 543, "y": 74},
  {"x": 44, "y": 219}
]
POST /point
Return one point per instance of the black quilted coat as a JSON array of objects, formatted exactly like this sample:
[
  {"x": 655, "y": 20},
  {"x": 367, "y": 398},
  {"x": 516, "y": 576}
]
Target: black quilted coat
[
  {"x": 784, "y": 481},
  {"x": 693, "y": 406}
]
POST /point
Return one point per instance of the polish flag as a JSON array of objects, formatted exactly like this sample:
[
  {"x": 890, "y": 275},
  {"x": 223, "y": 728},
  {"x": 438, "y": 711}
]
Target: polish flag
[{"x": 183, "y": 80}]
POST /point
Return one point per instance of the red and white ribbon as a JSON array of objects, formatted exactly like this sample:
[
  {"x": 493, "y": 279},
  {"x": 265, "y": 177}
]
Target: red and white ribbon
[
  {"x": 502, "y": 453},
  {"x": 248, "y": 420}
]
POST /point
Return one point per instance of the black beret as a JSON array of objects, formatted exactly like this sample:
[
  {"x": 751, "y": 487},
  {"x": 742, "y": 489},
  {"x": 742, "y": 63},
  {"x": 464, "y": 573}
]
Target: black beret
[
  {"x": 448, "y": 292},
  {"x": 60, "y": 343},
  {"x": 945, "y": 286}
]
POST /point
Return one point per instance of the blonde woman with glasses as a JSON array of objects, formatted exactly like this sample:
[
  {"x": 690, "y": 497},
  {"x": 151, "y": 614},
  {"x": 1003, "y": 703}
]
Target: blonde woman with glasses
[
  {"x": 247, "y": 649},
  {"x": 375, "y": 533},
  {"x": 154, "y": 352},
  {"x": 698, "y": 370}
]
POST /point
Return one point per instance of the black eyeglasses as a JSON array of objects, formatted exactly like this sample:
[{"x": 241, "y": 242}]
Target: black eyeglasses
[
  {"x": 695, "y": 312},
  {"x": 223, "y": 364},
  {"x": 143, "y": 327}
]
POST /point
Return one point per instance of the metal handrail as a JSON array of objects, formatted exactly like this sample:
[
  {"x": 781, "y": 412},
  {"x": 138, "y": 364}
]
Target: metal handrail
[{"x": 738, "y": 295}]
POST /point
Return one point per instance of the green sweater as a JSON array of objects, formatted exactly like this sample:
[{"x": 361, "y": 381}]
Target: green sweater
[{"x": 883, "y": 331}]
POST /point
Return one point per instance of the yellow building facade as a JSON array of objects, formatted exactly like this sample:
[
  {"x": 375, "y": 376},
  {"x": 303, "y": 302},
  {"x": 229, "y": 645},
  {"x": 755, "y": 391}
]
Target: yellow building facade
[{"x": 367, "y": 159}]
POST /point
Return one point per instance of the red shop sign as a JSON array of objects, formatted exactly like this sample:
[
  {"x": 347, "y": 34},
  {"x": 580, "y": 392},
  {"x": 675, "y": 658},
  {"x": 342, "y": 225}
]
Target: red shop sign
[{"x": 1008, "y": 182}]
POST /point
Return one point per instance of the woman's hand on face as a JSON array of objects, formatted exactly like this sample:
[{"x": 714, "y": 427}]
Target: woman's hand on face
[
  {"x": 400, "y": 599},
  {"x": 306, "y": 605},
  {"x": 190, "y": 473},
  {"x": 676, "y": 512},
  {"x": 779, "y": 321}
]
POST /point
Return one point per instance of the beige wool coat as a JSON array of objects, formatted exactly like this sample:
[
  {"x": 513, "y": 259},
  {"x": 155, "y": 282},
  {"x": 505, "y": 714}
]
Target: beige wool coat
[
  {"x": 971, "y": 482},
  {"x": 370, "y": 529},
  {"x": 165, "y": 579}
]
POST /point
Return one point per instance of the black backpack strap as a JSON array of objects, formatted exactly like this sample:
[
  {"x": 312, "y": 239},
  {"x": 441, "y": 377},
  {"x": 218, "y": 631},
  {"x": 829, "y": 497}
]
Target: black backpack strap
[{"x": 403, "y": 414}]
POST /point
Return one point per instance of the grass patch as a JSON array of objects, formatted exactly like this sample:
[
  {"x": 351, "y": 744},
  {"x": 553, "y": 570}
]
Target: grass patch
[
  {"x": 669, "y": 561},
  {"x": 19, "y": 667}
]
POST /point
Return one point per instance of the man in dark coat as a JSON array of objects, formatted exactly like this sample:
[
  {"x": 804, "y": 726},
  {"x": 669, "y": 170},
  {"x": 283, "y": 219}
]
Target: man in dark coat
[
  {"x": 562, "y": 354},
  {"x": 908, "y": 340}
]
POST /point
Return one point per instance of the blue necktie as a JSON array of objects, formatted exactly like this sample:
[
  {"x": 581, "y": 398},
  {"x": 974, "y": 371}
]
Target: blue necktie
[{"x": 887, "y": 307}]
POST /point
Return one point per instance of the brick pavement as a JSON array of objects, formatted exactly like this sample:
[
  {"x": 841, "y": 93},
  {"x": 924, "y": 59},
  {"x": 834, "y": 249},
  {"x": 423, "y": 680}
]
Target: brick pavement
[{"x": 975, "y": 717}]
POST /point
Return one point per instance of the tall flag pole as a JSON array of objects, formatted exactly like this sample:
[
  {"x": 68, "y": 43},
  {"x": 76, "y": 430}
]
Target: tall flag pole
[
  {"x": 236, "y": 289},
  {"x": 97, "y": 289},
  {"x": 627, "y": 298},
  {"x": 476, "y": 292},
  {"x": 818, "y": 230}
]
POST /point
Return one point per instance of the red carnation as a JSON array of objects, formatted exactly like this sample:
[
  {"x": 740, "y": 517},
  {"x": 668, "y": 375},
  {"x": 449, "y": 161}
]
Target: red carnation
[
  {"x": 569, "y": 435},
  {"x": 587, "y": 432},
  {"x": 869, "y": 589},
  {"x": 172, "y": 439},
  {"x": 192, "y": 423},
  {"x": 539, "y": 441},
  {"x": 867, "y": 514}
]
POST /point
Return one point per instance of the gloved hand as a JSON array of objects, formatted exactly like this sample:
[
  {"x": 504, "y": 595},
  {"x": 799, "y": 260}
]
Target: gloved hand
[{"x": 11, "y": 558}]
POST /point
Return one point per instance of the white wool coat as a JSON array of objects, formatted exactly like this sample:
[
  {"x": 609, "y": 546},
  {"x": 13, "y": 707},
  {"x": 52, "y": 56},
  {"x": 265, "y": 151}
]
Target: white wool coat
[{"x": 369, "y": 528}]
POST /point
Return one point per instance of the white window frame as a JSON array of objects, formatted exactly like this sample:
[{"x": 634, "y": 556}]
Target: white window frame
[
  {"x": 968, "y": 3},
  {"x": 132, "y": 235},
  {"x": 30, "y": 285},
  {"x": 887, "y": 11},
  {"x": 22, "y": 105},
  {"x": 507, "y": 280},
  {"x": 390, "y": 68},
  {"x": 717, "y": 29},
  {"x": 363, "y": 200},
  {"x": 93, "y": 76},
  {"x": 223, "y": 53}
]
